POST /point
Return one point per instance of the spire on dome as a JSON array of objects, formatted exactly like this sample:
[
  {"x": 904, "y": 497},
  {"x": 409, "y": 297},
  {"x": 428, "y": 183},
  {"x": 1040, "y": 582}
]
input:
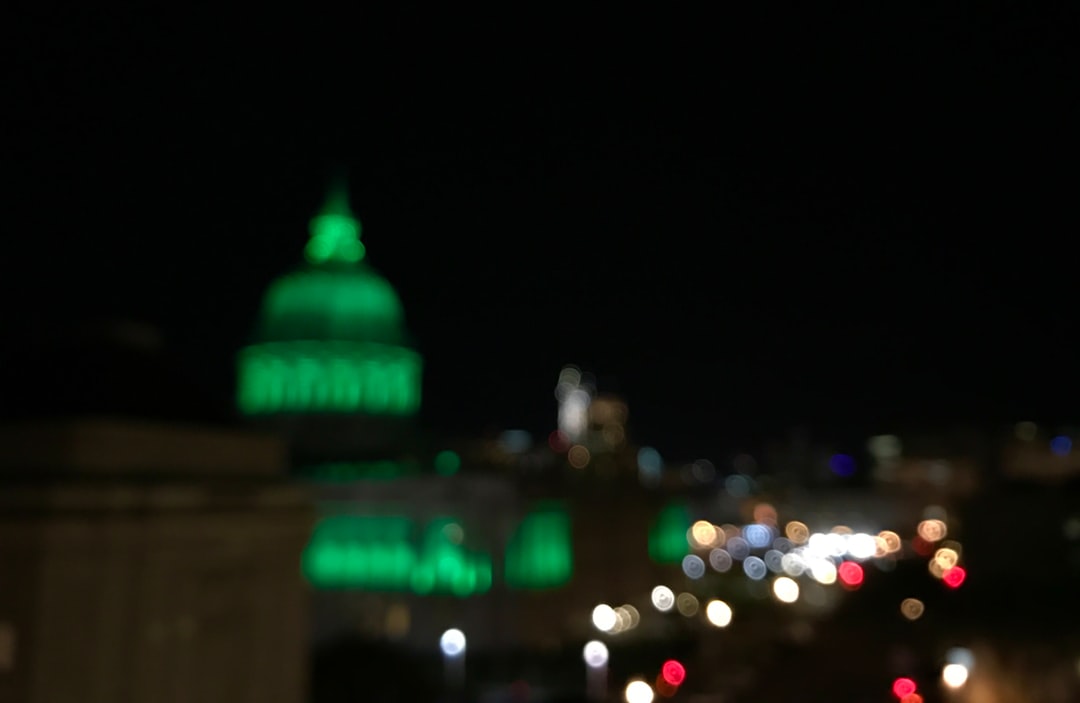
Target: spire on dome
[{"x": 335, "y": 231}]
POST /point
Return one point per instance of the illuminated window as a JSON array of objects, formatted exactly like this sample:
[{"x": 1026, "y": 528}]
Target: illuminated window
[
  {"x": 330, "y": 377},
  {"x": 540, "y": 553},
  {"x": 667, "y": 536}
]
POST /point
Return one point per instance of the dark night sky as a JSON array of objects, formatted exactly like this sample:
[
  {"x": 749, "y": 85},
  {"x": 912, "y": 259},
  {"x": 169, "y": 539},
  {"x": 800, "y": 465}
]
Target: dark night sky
[{"x": 831, "y": 214}]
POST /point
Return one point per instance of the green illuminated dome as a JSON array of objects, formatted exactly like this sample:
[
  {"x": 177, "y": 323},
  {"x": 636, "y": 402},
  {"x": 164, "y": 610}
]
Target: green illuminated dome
[{"x": 331, "y": 336}]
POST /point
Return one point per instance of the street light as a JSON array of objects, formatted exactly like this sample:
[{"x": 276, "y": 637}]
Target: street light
[
  {"x": 452, "y": 644},
  {"x": 595, "y": 655}
]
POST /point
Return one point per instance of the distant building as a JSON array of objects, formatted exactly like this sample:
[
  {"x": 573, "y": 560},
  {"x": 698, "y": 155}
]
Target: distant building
[{"x": 144, "y": 558}]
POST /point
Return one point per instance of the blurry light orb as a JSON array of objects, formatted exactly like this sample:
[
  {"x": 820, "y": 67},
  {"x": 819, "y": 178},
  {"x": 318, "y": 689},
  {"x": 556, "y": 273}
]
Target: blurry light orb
[
  {"x": 842, "y": 465},
  {"x": 738, "y": 548},
  {"x": 912, "y": 608},
  {"x": 786, "y": 589},
  {"x": 452, "y": 642},
  {"x": 797, "y": 532},
  {"x": 954, "y": 675},
  {"x": 765, "y": 514},
  {"x": 903, "y": 686},
  {"x": 718, "y": 613},
  {"x": 693, "y": 566},
  {"x": 758, "y": 535},
  {"x": 703, "y": 470},
  {"x": 447, "y": 463},
  {"x": 954, "y": 577},
  {"x": 673, "y": 672},
  {"x": 578, "y": 456},
  {"x": 604, "y": 617},
  {"x": 755, "y": 568},
  {"x": 774, "y": 559},
  {"x": 720, "y": 560},
  {"x": 558, "y": 441},
  {"x": 932, "y": 530},
  {"x": 861, "y": 546},
  {"x": 687, "y": 604},
  {"x": 885, "y": 446},
  {"x": 1061, "y": 445},
  {"x": 891, "y": 539},
  {"x": 912, "y": 698},
  {"x": 638, "y": 691},
  {"x": 946, "y": 558},
  {"x": 663, "y": 599},
  {"x": 703, "y": 533},
  {"x": 823, "y": 571},
  {"x": 595, "y": 654},
  {"x": 793, "y": 564},
  {"x": 737, "y": 485},
  {"x": 850, "y": 573}
]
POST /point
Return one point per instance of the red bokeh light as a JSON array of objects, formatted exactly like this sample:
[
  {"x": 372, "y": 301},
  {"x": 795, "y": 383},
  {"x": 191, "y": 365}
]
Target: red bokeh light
[
  {"x": 912, "y": 698},
  {"x": 954, "y": 577},
  {"x": 673, "y": 672},
  {"x": 850, "y": 573},
  {"x": 558, "y": 441},
  {"x": 921, "y": 546},
  {"x": 903, "y": 687}
]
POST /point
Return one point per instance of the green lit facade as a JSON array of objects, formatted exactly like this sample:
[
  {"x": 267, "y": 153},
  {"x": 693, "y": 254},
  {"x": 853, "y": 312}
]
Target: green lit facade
[
  {"x": 330, "y": 336},
  {"x": 540, "y": 553},
  {"x": 667, "y": 535},
  {"x": 395, "y": 553}
]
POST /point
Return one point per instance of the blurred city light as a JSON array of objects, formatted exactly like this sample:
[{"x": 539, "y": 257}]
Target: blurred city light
[
  {"x": 452, "y": 642},
  {"x": 595, "y": 654}
]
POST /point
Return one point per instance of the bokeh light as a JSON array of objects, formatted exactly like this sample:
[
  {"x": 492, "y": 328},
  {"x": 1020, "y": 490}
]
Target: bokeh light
[
  {"x": 912, "y": 608},
  {"x": 673, "y": 672},
  {"x": 954, "y": 577},
  {"x": 786, "y": 589},
  {"x": 718, "y": 613},
  {"x": 638, "y": 691},
  {"x": 903, "y": 686},
  {"x": 954, "y": 675}
]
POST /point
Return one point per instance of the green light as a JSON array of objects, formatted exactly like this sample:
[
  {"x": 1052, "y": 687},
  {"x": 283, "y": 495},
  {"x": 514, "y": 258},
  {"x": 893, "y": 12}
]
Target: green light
[
  {"x": 667, "y": 536},
  {"x": 328, "y": 377},
  {"x": 331, "y": 336},
  {"x": 447, "y": 463},
  {"x": 540, "y": 554},
  {"x": 335, "y": 232},
  {"x": 376, "y": 553},
  {"x": 344, "y": 304}
]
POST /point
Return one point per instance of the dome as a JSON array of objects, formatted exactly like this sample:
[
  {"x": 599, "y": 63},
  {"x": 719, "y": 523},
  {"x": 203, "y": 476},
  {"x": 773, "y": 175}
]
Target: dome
[
  {"x": 343, "y": 303},
  {"x": 331, "y": 336}
]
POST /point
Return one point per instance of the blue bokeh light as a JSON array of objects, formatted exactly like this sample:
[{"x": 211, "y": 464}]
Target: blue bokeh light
[
  {"x": 842, "y": 465},
  {"x": 1061, "y": 445}
]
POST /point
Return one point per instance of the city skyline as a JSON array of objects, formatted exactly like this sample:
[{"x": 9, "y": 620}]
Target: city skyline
[{"x": 802, "y": 240}]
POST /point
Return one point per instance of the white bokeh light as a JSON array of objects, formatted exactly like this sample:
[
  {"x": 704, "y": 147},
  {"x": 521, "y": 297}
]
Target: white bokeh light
[
  {"x": 595, "y": 654},
  {"x": 785, "y": 589},
  {"x": 718, "y": 613},
  {"x": 452, "y": 642},
  {"x": 638, "y": 692},
  {"x": 604, "y": 617},
  {"x": 954, "y": 675},
  {"x": 663, "y": 598}
]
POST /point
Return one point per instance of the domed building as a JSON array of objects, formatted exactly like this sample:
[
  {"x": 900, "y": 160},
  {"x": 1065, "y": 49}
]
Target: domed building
[{"x": 331, "y": 364}]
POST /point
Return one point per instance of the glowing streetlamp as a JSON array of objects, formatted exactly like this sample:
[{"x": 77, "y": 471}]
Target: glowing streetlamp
[
  {"x": 595, "y": 655},
  {"x": 452, "y": 644}
]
